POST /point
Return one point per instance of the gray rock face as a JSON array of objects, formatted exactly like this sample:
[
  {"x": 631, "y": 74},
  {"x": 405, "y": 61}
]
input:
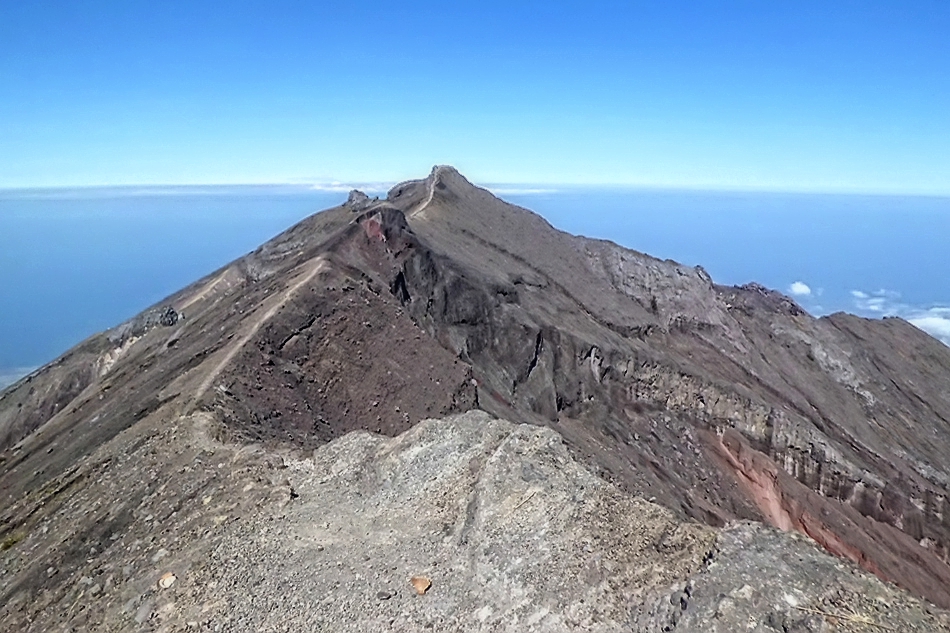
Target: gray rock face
[
  {"x": 766, "y": 581},
  {"x": 513, "y": 534},
  {"x": 357, "y": 201},
  {"x": 137, "y": 326}
]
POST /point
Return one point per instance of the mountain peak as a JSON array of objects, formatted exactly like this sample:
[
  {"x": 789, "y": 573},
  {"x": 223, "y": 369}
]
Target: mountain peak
[
  {"x": 449, "y": 177},
  {"x": 442, "y": 179},
  {"x": 445, "y": 170}
]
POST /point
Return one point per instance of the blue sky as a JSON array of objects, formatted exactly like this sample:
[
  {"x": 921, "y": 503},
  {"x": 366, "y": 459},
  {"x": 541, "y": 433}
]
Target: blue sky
[{"x": 815, "y": 96}]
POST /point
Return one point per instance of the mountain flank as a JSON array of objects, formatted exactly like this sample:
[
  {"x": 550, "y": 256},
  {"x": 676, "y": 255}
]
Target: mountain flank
[{"x": 709, "y": 410}]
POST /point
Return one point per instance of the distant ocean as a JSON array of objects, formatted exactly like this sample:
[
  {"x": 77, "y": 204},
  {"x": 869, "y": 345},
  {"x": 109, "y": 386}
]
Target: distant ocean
[{"x": 76, "y": 262}]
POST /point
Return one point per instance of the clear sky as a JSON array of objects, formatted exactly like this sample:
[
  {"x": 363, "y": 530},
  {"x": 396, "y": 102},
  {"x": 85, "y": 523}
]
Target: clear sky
[{"x": 796, "y": 95}]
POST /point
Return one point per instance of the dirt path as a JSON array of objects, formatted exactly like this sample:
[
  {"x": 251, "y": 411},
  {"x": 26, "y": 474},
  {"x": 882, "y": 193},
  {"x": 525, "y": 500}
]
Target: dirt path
[
  {"x": 204, "y": 291},
  {"x": 316, "y": 265},
  {"x": 428, "y": 199}
]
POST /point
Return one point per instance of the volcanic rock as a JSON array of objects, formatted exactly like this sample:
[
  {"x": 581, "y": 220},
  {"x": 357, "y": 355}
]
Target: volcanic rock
[
  {"x": 722, "y": 405},
  {"x": 509, "y": 533}
]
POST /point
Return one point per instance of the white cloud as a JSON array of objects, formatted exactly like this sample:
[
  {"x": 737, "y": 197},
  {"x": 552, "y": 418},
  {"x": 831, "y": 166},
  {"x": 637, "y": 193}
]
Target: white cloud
[
  {"x": 936, "y": 326},
  {"x": 800, "y": 289},
  {"x": 934, "y": 320},
  {"x": 876, "y": 304},
  {"x": 346, "y": 187},
  {"x": 333, "y": 186},
  {"x": 879, "y": 303}
]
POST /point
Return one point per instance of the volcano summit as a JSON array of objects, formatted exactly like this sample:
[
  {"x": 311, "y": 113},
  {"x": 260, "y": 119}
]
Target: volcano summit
[{"x": 554, "y": 432}]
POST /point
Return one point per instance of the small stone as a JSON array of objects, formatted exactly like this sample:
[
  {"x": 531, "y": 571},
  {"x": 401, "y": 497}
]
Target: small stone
[
  {"x": 144, "y": 613},
  {"x": 421, "y": 584},
  {"x": 167, "y": 580},
  {"x": 384, "y": 595}
]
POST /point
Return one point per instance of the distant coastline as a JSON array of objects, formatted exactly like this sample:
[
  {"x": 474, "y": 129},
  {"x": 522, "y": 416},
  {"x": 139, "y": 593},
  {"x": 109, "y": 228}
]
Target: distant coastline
[{"x": 10, "y": 375}]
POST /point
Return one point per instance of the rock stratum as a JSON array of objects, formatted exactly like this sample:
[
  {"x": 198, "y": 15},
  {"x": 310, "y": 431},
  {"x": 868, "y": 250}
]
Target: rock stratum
[{"x": 251, "y": 453}]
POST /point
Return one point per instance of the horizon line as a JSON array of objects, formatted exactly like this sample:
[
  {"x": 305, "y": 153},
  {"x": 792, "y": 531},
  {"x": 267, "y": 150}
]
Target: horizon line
[{"x": 505, "y": 187}]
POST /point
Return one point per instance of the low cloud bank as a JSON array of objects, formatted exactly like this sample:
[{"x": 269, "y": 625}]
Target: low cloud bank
[
  {"x": 934, "y": 320},
  {"x": 346, "y": 187},
  {"x": 9, "y": 375},
  {"x": 384, "y": 187},
  {"x": 881, "y": 302}
]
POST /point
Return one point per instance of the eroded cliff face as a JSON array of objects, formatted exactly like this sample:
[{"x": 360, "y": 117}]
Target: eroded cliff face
[{"x": 719, "y": 403}]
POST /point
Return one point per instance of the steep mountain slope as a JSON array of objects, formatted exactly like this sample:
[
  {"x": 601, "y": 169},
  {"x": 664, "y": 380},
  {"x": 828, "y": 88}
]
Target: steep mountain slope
[{"x": 718, "y": 403}]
